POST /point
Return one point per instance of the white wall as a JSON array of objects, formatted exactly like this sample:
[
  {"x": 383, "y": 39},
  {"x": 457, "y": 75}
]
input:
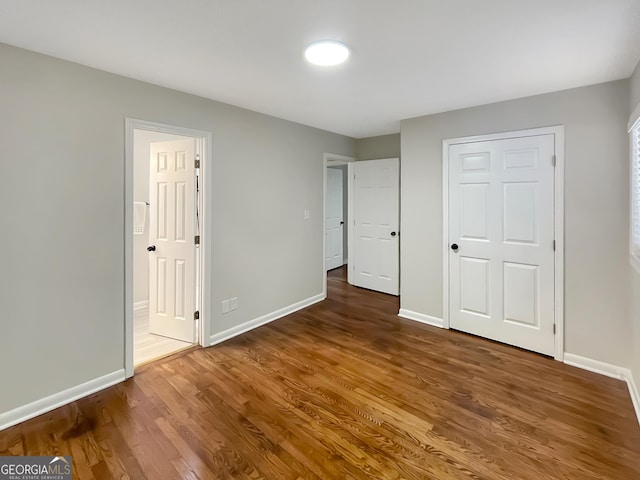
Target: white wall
[
  {"x": 142, "y": 140},
  {"x": 597, "y": 295},
  {"x": 62, "y": 197}
]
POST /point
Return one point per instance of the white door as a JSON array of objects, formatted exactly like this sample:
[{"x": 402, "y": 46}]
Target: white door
[
  {"x": 376, "y": 214},
  {"x": 501, "y": 219},
  {"x": 334, "y": 221},
  {"x": 171, "y": 239}
]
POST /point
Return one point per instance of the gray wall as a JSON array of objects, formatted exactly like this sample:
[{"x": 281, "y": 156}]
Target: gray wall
[
  {"x": 382, "y": 146},
  {"x": 634, "y": 102},
  {"x": 62, "y": 197},
  {"x": 635, "y": 319},
  {"x": 597, "y": 296},
  {"x": 634, "y": 88}
]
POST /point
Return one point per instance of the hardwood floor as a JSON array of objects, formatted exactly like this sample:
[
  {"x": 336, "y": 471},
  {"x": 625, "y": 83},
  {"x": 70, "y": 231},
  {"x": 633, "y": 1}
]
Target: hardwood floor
[{"x": 347, "y": 390}]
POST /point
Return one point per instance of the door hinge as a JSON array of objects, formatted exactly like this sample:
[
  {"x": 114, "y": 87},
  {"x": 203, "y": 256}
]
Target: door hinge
[
  {"x": 553, "y": 160},
  {"x": 554, "y": 328},
  {"x": 196, "y": 315},
  {"x": 197, "y": 161},
  {"x": 196, "y": 239},
  {"x": 554, "y": 245}
]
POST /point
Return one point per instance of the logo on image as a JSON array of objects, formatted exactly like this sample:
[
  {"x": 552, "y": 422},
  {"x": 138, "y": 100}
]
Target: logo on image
[{"x": 35, "y": 468}]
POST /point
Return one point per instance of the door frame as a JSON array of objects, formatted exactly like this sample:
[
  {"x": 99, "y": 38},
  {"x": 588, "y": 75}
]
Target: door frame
[
  {"x": 328, "y": 160},
  {"x": 205, "y": 141},
  {"x": 558, "y": 132}
]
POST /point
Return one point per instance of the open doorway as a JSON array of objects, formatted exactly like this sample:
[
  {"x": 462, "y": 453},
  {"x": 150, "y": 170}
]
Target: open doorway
[
  {"x": 166, "y": 240},
  {"x": 165, "y": 209},
  {"x": 336, "y": 249},
  {"x": 336, "y": 214}
]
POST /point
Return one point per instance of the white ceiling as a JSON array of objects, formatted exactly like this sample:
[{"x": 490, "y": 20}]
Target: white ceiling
[{"x": 409, "y": 57}]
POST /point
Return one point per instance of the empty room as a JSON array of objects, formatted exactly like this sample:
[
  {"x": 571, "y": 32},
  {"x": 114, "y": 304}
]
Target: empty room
[{"x": 320, "y": 240}]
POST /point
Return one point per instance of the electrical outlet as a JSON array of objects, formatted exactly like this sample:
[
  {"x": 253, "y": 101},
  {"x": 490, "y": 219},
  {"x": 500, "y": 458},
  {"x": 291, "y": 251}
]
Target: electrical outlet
[
  {"x": 234, "y": 303},
  {"x": 225, "y": 306},
  {"x": 307, "y": 215}
]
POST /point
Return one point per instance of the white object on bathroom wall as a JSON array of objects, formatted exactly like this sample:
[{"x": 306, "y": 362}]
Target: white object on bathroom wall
[{"x": 139, "y": 217}]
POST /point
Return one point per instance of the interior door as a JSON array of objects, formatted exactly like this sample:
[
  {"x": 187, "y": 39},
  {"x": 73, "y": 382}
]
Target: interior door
[
  {"x": 334, "y": 221},
  {"x": 501, "y": 236},
  {"x": 171, "y": 239},
  {"x": 376, "y": 214}
]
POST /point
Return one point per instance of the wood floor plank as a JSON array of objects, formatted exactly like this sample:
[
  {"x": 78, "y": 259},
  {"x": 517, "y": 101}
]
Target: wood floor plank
[{"x": 345, "y": 389}]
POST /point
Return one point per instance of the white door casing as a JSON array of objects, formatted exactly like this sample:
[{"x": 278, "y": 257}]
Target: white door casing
[
  {"x": 376, "y": 219},
  {"x": 171, "y": 230},
  {"x": 501, "y": 216},
  {"x": 334, "y": 222}
]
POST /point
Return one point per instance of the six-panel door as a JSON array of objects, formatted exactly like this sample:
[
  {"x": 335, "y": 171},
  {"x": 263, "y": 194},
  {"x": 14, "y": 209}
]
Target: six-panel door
[
  {"x": 501, "y": 216},
  {"x": 376, "y": 212},
  {"x": 171, "y": 231}
]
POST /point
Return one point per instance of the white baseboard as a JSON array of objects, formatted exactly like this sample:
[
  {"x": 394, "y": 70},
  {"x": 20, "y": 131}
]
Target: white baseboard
[
  {"x": 594, "y": 366},
  {"x": 144, "y": 304},
  {"x": 609, "y": 370},
  {"x": 258, "y": 322},
  {"x": 421, "y": 317},
  {"x": 633, "y": 391},
  {"x": 46, "y": 404}
]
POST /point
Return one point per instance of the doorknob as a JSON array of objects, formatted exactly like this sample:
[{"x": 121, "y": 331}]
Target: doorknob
[
  {"x": 454, "y": 247},
  {"x": 341, "y": 223},
  {"x": 393, "y": 234},
  {"x": 151, "y": 248}
]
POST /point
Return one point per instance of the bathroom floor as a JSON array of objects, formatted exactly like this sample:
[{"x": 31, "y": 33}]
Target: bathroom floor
[{"x": 147, "y": 346}]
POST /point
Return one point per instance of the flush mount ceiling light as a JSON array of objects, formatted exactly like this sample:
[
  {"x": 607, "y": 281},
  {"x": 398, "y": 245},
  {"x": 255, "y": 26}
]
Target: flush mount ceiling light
[{"x": 326, "y": 53}]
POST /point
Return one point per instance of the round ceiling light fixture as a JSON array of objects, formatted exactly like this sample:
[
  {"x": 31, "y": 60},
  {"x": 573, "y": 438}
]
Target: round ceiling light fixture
[{"x": 326, "y": 53}]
